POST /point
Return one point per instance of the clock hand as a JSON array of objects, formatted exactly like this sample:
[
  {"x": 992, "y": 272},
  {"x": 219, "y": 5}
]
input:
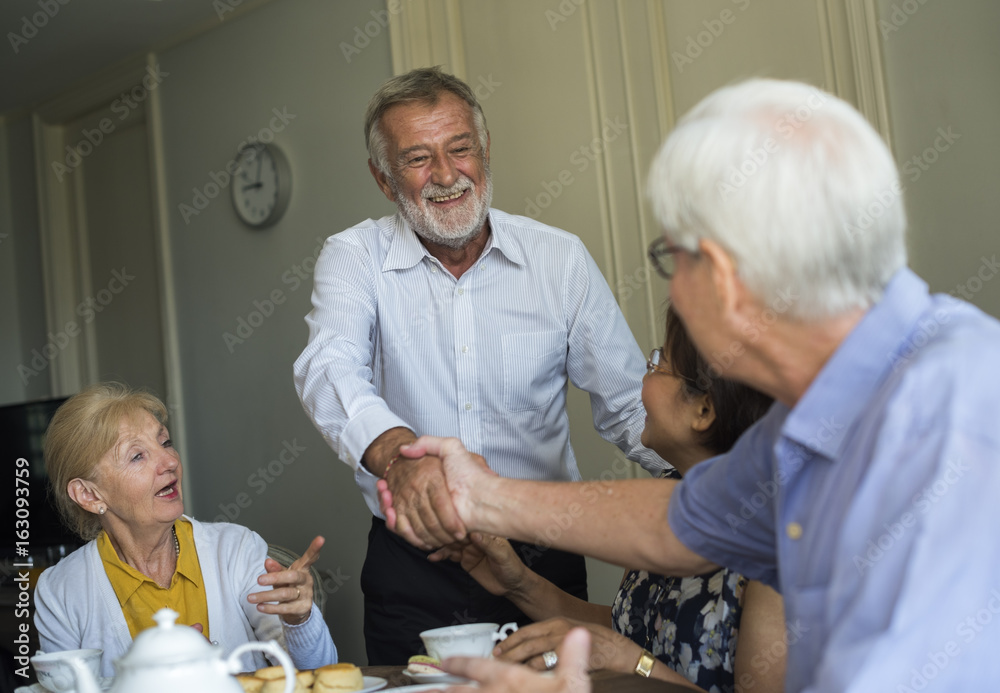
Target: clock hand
[{"x": 253, "y": 185}]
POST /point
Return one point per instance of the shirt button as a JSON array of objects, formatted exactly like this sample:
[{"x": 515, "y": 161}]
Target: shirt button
[
  {"x": 434, "y": 270},
  {"x": 461, "y": 291},
  {"x": 468, "y": 406},
  {"x": 482, "y": 266},
  {"x": 465, "y": 350},
  {"x": 794, "y": 530}
]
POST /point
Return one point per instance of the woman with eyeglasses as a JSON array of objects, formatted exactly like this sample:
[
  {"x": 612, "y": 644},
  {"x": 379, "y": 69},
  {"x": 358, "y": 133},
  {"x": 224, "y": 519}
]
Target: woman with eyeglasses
[{"x": 714, "y": 632}]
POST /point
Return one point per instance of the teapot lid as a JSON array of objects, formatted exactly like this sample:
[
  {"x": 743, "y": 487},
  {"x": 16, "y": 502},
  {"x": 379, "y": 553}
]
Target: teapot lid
[{"x": 168, "y": 643}]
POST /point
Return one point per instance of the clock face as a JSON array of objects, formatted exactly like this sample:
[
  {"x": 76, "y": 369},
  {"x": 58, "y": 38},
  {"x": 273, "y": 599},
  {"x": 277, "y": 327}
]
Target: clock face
[{"x": 260, "y": 185}]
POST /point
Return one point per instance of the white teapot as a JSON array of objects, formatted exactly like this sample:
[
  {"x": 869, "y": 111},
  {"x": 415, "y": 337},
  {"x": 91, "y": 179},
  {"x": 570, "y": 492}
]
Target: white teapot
[{"x": 168, "y": 658}]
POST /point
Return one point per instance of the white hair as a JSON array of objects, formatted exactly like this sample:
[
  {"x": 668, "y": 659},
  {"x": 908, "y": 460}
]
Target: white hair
[{"x": 795, "y": 185}]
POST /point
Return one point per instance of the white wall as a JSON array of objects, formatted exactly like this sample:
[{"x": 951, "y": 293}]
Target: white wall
[
  {"x": 241, "y": 407},
  {"x": 943, "y": 67}
]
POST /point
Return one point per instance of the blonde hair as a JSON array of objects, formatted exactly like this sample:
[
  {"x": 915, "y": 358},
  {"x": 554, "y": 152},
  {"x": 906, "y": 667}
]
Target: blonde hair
[{"x": 82, "y": 431}]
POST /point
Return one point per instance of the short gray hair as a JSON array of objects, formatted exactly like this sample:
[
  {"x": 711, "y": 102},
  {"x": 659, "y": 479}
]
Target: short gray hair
[
  {"x": 423, "y": 85},
  {"x": 794, "y": 184}
]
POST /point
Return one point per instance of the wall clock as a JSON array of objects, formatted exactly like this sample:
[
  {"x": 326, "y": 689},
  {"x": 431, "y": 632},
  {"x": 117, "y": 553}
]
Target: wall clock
[{"x": 262, "y": 185}]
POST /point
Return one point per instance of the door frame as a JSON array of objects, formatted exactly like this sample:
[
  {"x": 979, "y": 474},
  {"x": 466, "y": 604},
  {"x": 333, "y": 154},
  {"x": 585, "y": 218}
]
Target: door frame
[{"x": 62, "y": 229}]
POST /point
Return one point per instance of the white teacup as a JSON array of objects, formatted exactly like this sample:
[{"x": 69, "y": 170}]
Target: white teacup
[
  {"x": 56, "y": 675},
  {"x": 466, "y": 640}
]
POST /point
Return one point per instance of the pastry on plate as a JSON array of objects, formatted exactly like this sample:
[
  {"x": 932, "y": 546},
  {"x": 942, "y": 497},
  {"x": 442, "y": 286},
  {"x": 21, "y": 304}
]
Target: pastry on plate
[
  {"x": 274, "y": 680},
  {"x": 250, "y": 683},
  {"x": 423, "y": 664},
  {"x": 338, "y": 678}
]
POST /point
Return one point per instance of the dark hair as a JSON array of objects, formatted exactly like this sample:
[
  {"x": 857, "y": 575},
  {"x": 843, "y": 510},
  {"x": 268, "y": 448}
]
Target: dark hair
[
  {"x": 737, "y": 406},
  {"x": 423, "y": 85}
]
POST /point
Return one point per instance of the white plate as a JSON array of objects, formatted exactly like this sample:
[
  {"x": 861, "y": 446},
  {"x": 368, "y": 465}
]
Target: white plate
[
  {"x": 104, "y": 683},
  {"x": 373, "y": 683},
  {"x": 443, "y": 677},
  {"x": 428, "y": 687}
]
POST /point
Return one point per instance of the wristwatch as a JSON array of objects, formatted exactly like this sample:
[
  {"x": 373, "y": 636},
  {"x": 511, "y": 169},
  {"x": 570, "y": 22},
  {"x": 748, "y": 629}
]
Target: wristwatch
[{"x": 645, "y": 665}]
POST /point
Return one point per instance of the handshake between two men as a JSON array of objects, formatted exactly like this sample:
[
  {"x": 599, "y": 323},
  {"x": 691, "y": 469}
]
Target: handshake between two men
[{"x": 457, "y": 494}]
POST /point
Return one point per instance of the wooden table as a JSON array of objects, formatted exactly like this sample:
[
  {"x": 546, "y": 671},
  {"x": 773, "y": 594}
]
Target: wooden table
[{"x": 604, "y": 681}]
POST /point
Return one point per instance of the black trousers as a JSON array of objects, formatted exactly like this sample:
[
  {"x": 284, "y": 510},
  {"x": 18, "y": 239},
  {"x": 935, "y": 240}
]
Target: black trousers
[{"x": 406, "y": 594}]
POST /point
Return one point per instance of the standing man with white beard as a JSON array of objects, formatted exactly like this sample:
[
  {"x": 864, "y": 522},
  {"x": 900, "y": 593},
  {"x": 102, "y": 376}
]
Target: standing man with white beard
[{"x": 454, "y": 319}]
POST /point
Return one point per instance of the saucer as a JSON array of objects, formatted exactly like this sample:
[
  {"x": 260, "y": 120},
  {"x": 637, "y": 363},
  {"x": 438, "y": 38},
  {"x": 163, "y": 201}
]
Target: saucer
[
  {"x": 443, "y": 677},
  {"x": 373, "y": 683},
  {"x": 104, "y": 683}
]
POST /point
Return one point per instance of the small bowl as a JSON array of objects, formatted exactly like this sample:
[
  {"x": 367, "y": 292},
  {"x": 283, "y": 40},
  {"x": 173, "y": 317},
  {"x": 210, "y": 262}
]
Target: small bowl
[{"x": 56, "y": 675}]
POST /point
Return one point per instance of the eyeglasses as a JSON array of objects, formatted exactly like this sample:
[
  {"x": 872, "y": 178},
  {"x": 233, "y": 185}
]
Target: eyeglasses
[
  {"x": 663, "y": 257},
  {"x": 656, "y": 362}
]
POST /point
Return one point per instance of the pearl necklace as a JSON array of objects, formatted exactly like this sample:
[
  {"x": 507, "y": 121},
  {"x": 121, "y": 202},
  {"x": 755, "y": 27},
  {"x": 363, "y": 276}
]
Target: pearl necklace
[{"x": 177, "y": 543}]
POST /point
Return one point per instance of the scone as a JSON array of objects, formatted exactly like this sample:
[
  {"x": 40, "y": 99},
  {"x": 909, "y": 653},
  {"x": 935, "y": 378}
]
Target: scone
[
  {"x": 270, "y": 673},
  {"x": 250, "y": 683},
  {"x": 274, "y": 680},
  {"x": 338, "y": 678}
]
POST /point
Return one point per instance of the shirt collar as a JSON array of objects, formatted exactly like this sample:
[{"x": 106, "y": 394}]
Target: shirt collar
[
  {"x": 187, "y": 561},
  {"x": 406, "y": 250},
  {"x": 126, "y": 579},
  {"x": 842, "y": 390}
]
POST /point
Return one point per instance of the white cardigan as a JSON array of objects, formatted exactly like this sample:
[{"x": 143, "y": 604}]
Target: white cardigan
[{"x": 76, "y": 606}]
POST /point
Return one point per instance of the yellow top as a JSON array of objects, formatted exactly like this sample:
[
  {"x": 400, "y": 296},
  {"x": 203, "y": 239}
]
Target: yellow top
[{"x": 140, "y": 597}]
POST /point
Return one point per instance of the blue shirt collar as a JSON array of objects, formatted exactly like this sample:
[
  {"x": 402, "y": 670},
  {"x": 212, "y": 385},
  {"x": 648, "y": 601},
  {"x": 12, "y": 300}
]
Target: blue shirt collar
[
  {"x": 406, "y": 250},
  {"x": 841, "y": 392}
]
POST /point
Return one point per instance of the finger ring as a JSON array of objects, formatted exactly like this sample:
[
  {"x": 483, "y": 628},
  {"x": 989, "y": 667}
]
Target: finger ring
[
  {"x": 298, "y": 593},
  {"x": 551, "y": 659}
]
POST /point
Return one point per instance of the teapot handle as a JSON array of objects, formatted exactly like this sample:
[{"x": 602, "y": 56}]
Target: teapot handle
[{"x": 270, "y": 647}]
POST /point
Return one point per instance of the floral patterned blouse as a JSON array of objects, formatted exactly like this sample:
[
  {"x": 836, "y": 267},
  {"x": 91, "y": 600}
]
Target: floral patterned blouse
[{"x": 690, "y": 624}]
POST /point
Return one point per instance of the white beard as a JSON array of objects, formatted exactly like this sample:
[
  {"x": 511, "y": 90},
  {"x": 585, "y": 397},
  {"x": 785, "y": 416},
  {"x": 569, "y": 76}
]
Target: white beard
[{"x": 453, "y": 228}]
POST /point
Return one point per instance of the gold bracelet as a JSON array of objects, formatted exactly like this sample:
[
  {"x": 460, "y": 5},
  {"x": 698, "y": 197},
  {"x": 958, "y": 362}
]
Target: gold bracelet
[
  {"x": 385, "y": 474},
  {"x": 645, "y": 665}
]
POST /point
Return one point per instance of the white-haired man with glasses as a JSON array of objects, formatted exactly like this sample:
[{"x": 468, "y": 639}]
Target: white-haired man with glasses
[{"x": 868, "y": 494}]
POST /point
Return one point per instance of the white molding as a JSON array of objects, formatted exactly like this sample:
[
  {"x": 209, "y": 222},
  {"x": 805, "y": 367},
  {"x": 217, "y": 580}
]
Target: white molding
[
  {"x": 172, "y": 371},
  {"x": 62, "y": 220},
  {"x": 605, "y": 202},
  {"x": 666, "y": 115},
  {"x": 60, "y": 268},
  {"x": 665, "y": 109},
  {"x": 88, "y": 358},
  {"x": 830, "y": 54},
  {"x": 423, "y": 33},
  {"x": 869, "y": 72}
]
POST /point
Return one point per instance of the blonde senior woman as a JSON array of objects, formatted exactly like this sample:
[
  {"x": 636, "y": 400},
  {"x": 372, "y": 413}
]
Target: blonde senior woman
[{"x": 116, "y": 481}]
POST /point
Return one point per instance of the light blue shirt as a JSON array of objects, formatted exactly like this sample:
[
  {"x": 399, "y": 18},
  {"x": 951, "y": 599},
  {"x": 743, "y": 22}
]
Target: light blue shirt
[
  {"x": 396, "y": 340},
  {"x": 873, "y": 505}
]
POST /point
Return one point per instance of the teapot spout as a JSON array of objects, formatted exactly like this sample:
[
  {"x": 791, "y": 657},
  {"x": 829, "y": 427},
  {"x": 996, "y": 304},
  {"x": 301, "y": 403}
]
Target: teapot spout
[{"x": 85, "y": 682}]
